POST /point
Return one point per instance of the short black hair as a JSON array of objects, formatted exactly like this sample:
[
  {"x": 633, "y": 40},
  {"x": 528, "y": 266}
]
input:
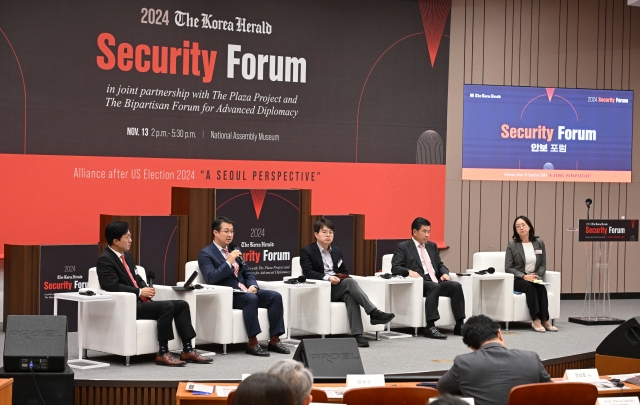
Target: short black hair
[
  {"x": 322, "y": 222},
  {"x": 532, "y": 234},
  {"x": 217, "y": 223},
  {"x": 115, "y": 230},
  {"x": 419, "y": 223},
  {"x": 479, "y": 329}
]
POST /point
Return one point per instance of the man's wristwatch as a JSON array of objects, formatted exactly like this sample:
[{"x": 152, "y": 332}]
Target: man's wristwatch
[{"x": 257, "y": 288}]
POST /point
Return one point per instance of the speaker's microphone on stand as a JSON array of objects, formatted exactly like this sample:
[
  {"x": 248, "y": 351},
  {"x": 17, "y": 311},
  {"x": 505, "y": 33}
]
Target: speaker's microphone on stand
[{"x": 588, "y": 202}]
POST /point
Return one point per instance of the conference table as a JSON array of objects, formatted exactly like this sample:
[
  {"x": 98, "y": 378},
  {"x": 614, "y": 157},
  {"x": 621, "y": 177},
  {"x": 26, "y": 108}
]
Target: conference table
[{"x": 184, "y": 397}]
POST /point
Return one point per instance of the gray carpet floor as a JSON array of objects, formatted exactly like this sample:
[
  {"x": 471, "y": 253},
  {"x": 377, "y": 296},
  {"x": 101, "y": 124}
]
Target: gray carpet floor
[{"x": 388, "y": 356}]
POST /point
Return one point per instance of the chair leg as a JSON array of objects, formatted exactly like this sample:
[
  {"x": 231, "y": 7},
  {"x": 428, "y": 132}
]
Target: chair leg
[
  {"x": 322, "y": 336},
  {"x": 377, "y": 335},
  {"x": 84, "y": 353},
  {"x": 415, "y": 332},
  {"x": 224, "y": 348},
  {"x": 126, "y": 360},
  {"x": 553, "y": 322},
  {"x": 506, "y": 326}
]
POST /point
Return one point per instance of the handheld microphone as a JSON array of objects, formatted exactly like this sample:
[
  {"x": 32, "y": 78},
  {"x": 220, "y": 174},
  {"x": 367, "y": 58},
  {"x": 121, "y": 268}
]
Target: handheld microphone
[
  {"x": 490, "y": 270},
  {"x": 302, "y": 279},
  {"x": 151, "y": 276},
  {"x": 231, "y": 248}
]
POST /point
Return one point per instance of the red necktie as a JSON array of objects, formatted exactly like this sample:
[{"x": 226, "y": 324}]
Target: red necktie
[
  {"x": 426, "y": 260},
  {"x": 236, "y": 269},
  {"x": 131, "y": 275}
]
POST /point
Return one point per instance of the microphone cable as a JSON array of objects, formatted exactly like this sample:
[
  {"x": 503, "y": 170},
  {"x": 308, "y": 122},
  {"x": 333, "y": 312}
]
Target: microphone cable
[{"x": 35, "y": 382}]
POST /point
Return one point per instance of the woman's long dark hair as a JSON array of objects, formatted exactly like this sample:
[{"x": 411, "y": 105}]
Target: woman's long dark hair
[{"x": 532, "y": 235}]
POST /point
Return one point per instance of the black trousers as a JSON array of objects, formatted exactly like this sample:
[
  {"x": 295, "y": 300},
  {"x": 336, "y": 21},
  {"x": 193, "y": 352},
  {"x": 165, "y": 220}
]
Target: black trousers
[
  {"x": 249, "y": 304},
  {"x": 165, "y": 312},
  {"x": 537, "y": 299},
  {"x": 432, "y": 291}
]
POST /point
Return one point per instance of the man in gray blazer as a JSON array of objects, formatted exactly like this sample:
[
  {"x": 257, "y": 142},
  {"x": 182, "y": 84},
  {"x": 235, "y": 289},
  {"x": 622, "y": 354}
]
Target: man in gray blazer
[{"x": 490, "y": 371}]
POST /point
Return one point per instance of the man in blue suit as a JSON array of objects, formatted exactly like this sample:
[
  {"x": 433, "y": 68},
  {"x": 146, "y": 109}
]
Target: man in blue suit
[{"x": 222, "y": 265}]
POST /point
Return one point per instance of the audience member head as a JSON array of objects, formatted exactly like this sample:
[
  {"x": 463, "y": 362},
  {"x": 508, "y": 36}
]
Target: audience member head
[
  {"x": 480, "y": 330},
  {"x": 323, "y": 230},
  {"x": 263, "y": 389},
  {"x": 298, "y": 377},
  {"x": 223, "y": 232},
  {"x": 421, "y": 230},
  {"x": 523, "y": 226},
  {"x": 118, "y": 236},
  {"x": 446, "y": 399}
]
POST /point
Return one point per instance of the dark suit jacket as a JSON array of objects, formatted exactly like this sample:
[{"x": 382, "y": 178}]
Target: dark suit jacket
[
  {"x": 312, "y": 264},
  {"x": 406, "y": 257},
  {"x": 514, "y": 259},
  {"x": 489, "y": 373},
  {"x": 216, "y": 270},
  {"x": 113, "y": 276}
]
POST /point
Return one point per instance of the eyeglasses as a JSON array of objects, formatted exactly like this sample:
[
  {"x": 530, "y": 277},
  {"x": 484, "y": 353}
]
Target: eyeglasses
[
  {"x": 521, "y": 226},
  {"x": 231, "y": 231},
  {"x": 127, "y": 236},
  {"x": 326, "y": 232}
]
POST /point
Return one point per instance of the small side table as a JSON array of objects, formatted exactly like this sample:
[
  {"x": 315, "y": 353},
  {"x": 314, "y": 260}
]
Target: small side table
[{"x": 82, "y": 300}]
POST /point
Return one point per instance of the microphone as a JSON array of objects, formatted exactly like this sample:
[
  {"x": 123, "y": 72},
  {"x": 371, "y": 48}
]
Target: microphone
[
  {"x": 151, "y": 276},
  {"x": 231, "y": 248},
  {"x": 490, "y": 270},
  {"x": 588, "y": 202},
  {"x": 298, "y": 280}
]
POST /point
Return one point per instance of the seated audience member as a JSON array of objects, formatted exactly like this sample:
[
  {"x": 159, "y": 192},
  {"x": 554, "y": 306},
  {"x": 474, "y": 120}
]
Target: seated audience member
[
  {"x": 117, "y": 273},
  {"x": 322, "y": 261},
  {"x": 221, "y": 266},
  {"x": 526, "y": 259},
  {"x": 299, "y": 379},
  {"x": 419, "y": 258},
  {"x": 447, "y": 399},
  {"x": 263, "y": 389},
  {"x": 490, "y": 371}
]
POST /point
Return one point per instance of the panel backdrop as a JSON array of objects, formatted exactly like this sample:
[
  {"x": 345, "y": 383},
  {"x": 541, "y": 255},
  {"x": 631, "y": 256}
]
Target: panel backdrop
[{"x": 106, "y": 105}]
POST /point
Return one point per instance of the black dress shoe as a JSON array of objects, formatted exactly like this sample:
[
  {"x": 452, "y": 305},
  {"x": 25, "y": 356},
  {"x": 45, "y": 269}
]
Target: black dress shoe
[
  {"x": 362, "y": 342},
  {"x": 457, "y": 330},
  {"x": 278, "y": 348},
  {"x": 433, "y": 333},
  {"x": 257, "y": 351},
  {"x": 379, "y": 318}
]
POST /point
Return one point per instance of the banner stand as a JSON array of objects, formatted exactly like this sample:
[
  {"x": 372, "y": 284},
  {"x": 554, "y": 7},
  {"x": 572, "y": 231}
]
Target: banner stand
[{"x": 598, "y": 235}]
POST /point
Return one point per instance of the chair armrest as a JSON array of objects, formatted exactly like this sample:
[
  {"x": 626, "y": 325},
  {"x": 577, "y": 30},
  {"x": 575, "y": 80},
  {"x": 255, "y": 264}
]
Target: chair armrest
[
  {"x": 555, "y": 287},
  {"x": 110, "y": 326}
]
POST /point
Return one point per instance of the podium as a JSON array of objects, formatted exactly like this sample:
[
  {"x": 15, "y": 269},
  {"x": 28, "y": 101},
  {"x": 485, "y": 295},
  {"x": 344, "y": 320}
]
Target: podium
[{"x": 598, "y": 235}]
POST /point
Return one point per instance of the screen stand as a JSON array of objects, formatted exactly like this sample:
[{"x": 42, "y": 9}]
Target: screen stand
[{"x": 597, "y": 300}]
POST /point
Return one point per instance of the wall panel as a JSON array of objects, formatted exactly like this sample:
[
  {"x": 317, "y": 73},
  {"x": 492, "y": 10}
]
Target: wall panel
[{"x": 547, "y": 43}]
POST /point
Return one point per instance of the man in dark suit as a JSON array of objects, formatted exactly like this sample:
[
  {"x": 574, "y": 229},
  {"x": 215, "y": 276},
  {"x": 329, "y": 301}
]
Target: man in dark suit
[
  {"x": 222, "y": 265},
  {"x": 117, "y": 273},
  {"x": 321, "y": 261},
  {"x": 417, "y": 257},
  {"x": 490, "y": 371}
]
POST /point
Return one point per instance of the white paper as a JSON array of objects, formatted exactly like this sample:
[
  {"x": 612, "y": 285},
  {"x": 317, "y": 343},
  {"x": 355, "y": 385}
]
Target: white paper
[
  {"x": 199, "y": 387},
  {"x": 582, "y": 375},
  {"x": 618, "y": 401},
  {"x": 623, "y": 377},
  {"x": 224, "y": 390},
  {"x": 470, "y": 401},
  {"x": 334, "y": 392},
  {"x": 244, "y": 376},
  {"x": 365, "y": 380}
]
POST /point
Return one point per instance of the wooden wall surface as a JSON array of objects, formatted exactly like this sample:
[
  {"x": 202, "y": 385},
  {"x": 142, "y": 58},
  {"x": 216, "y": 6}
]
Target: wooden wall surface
[{"x": 546, "y": 43}]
